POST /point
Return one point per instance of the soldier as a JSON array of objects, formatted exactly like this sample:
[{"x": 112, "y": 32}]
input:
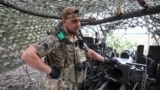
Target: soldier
[{"x": 64, "y": 54}]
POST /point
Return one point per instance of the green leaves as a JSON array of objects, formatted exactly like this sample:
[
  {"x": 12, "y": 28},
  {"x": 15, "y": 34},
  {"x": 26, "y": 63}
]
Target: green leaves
[{"x": 120, "y": 43}]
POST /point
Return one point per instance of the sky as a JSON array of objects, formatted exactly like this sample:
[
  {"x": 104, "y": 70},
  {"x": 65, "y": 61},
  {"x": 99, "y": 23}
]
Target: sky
[{"x": 137, "y": 34}]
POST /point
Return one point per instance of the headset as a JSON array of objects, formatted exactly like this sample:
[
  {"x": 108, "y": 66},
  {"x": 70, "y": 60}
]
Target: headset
[
  {"x": 61, "y": 36},
  {"x": 60, "y": 33}
]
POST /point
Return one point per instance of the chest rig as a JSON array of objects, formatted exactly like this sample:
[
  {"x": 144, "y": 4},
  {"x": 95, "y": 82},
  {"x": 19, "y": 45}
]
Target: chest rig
[{"x": 73, "y": 69}]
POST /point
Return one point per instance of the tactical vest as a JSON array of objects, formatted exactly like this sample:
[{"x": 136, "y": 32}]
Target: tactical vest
[{"x": 69, "y": 58}]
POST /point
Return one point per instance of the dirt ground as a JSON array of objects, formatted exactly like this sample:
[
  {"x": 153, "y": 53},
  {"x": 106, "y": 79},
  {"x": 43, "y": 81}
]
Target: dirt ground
[{"x": 22, "y": 78}]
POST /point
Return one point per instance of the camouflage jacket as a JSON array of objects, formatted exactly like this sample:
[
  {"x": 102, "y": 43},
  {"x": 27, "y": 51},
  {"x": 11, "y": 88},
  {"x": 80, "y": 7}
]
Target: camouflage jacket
[{"x": 64, "y": 56}]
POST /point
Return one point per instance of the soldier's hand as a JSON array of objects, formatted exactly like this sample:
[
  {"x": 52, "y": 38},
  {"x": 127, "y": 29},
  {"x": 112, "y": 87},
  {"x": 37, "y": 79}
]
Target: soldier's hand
[
  {"x": 112, "y": 61},
  {"x": 55, "y": 73}
]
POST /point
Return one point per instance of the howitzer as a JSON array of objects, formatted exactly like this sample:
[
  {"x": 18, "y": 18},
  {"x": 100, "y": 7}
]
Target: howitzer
[
  {"x": 127, "y": 76},
  {"x": 135, "y": 74}
]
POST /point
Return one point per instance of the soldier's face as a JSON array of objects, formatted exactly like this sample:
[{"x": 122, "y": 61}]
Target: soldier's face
[{"x": 72, "y": 24}]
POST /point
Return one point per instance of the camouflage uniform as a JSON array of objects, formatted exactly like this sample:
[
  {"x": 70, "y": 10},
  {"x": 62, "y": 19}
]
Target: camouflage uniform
[{"x": 64, "y": 56}]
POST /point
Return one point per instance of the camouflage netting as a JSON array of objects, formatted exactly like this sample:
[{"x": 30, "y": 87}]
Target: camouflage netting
[
  {"x": 22, "y": 78},
  {"x": 17, "y": 31}
]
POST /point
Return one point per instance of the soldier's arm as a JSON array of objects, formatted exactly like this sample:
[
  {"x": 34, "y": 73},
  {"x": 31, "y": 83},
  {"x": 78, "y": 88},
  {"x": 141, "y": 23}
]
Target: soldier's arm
[
  {"x": 31, "y": 57},
  {"x": 33, "y": 54},
  {"x": 94, "y": 55}
]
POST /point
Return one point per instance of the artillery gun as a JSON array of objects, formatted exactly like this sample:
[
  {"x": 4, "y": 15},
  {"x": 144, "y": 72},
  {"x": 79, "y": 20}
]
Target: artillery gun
[{"x": 137, "y": 71}]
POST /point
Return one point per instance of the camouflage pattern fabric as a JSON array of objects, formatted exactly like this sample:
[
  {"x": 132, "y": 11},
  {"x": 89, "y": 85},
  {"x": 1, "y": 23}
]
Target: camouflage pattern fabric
[
  {"x": 64, "y": 56},
  {"x": 47, "y": 45},
  {"x": 57, "y": 84},
  {"x": 70, "y": 12}
]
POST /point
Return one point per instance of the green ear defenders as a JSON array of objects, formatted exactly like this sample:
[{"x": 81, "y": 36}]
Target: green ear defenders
[{"x": 61, "y": 36}]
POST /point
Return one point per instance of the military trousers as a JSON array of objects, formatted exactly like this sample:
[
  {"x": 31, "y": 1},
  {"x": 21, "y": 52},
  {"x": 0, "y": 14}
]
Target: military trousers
[{"x": 58, "y": 84}]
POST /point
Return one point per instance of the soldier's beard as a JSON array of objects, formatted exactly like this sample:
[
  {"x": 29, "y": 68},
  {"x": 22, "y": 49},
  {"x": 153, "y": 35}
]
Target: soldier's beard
[{"x": 71, "y": 32}]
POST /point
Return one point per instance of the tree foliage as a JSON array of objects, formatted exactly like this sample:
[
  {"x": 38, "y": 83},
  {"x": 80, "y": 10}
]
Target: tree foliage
[{"x": 120, "y": 43}]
